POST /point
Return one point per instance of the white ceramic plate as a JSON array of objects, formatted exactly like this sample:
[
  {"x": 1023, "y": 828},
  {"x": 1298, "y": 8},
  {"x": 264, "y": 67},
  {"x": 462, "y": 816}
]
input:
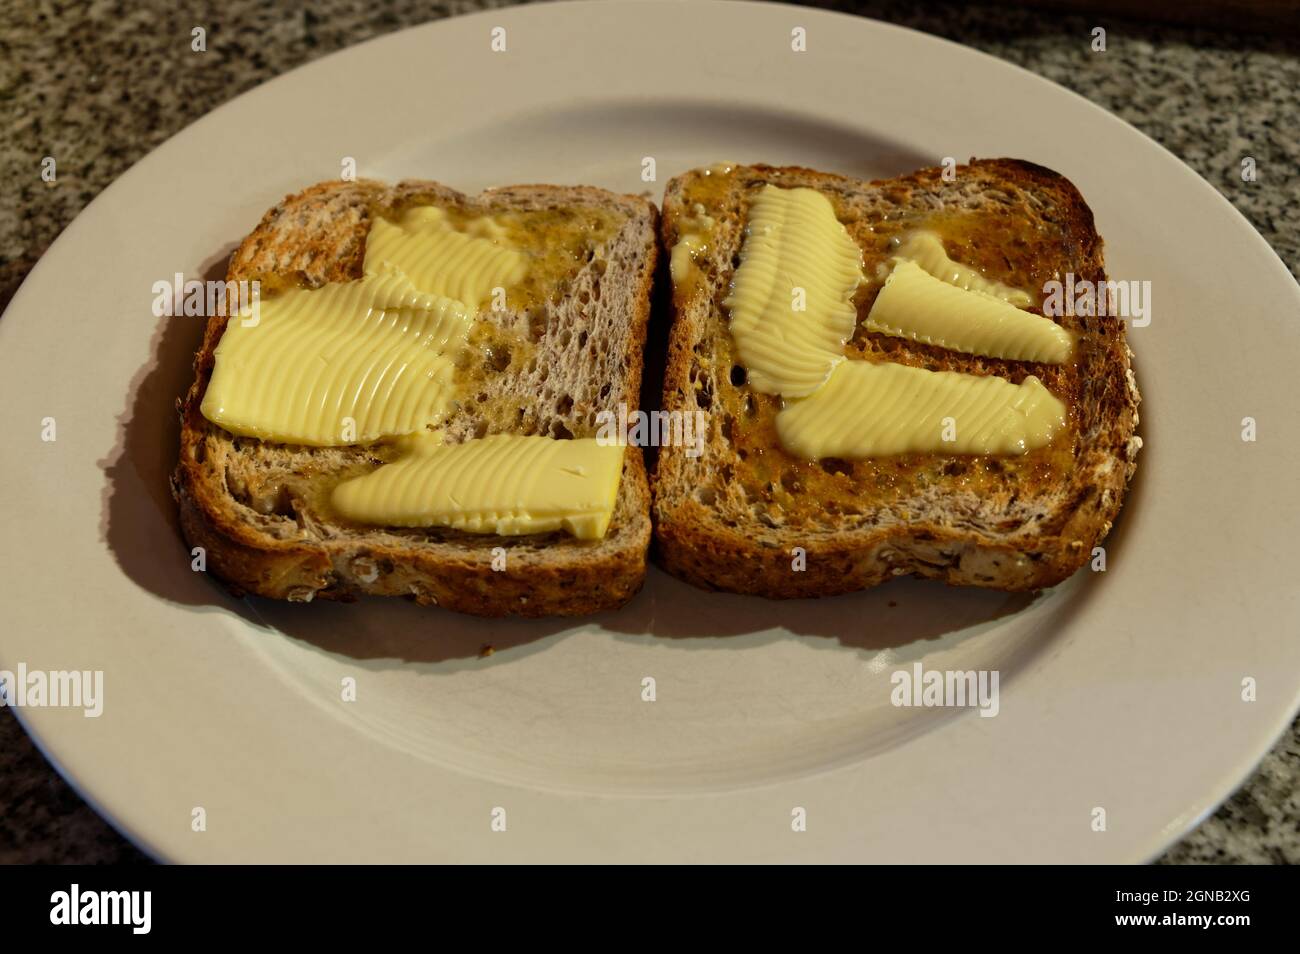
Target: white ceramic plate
[{"x": 1120, "y": 691}]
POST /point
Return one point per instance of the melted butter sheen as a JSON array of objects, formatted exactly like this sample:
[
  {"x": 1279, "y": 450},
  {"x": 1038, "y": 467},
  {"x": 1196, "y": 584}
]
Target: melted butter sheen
[
  {"x": 914, "y": 304},
  {"x": 681, "y": 262},
  {"x": 870, "y": 410},
  {"x": 440, "y": 260},
  {"x": 695, "y": 231},
  {"x": 793, "y": 241},
  {"x": 926, "y": 249},
  {"x": 376, "y": 351},
  {"x": 505, "y": 484}
]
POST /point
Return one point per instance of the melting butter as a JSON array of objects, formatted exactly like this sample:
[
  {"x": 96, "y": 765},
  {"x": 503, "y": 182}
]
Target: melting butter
[
  {"x": 345, "y": 363},
  {"x": 694, "y": 232},
  {"x": 867, "y": 409},
  {"x": 682, "y": 259},
  {"x": 464, "y": 265},
  {"x": 791, "y": 300},
  {"x": 505, "y": 484},
  {"x": 915, "y": 304},
  {"x": 926, "y": 249}
]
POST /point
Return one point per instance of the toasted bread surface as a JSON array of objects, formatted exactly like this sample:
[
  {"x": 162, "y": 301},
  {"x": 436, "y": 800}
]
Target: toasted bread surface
[
  {"x": 736, "y": 517},
  {"x": 559, "y": 354}
]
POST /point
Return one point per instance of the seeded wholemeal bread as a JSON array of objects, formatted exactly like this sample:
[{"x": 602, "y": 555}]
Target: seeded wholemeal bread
[
  {"x": 547, "y": 365},
  {"x": 732, "y": 518}
]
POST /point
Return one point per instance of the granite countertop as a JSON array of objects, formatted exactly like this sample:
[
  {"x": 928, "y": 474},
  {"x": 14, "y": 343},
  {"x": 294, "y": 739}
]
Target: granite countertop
[{"x": 99, "y": 89}]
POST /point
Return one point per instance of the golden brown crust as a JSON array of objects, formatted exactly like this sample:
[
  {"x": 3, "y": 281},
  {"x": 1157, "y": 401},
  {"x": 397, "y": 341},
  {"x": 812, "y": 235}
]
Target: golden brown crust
[
  {"x": 1008, "y": 524},
  {"x": 559, "y": 576}
]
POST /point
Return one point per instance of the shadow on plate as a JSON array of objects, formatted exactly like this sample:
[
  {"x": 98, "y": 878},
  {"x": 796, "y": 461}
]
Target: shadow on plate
[
  {"x": 901, "y": 612},
  {"x": 139, "y": 523}
]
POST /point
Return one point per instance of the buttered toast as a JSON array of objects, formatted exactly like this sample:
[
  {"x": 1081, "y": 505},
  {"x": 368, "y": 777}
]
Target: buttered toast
[
  {"x": 839, "y": 513},
  {"x": 544, "y": 361}
]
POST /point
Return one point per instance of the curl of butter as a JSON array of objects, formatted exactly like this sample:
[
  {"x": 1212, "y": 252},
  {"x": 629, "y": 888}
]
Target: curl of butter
[
  {"x": 439, "y": 260},
  {"x": 346, "y": 363},
  {"x": 926, "y": 249},
  {"x": 870, "y": 409},
  {"x": 507, "y": 484},
  {"x": 791, "y": 300},
  {"x": 916, "y": 305}
]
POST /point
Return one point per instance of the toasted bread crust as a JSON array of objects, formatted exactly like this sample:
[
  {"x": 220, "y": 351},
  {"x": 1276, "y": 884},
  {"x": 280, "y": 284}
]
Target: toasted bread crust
[
  {"x": 1021, "y": 532},
  {"x": 549, "y": 575}
]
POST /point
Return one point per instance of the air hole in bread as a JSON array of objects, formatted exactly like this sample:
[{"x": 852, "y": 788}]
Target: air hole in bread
[
  {"x": 704, "y": 393},
  {"x": 584, "y": 296},
  {"x": 582, "y": 340},
  {"x": 564, "y": 405},
  {"x": 738, "y": 376},
  {"x": 536, "y": 325},
  {"x": 728, "y": 428},
  {"x": 560, "y": 432},
  {"x": 836, "y": 465},
  {"x": 497, "y": 358},
  {"x": 706, "y": 496},
  {"x": 595, "y": 291},
  {"x": 604, "y": 390}
]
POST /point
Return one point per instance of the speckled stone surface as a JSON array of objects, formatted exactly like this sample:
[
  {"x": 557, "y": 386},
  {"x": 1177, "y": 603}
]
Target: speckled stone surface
[{"x": 99, "y": 85}]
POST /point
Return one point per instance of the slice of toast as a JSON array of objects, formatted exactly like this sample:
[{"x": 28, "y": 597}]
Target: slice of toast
[
  {"x": 544, "y": 366},
  {"x": 745, "y": 515}
]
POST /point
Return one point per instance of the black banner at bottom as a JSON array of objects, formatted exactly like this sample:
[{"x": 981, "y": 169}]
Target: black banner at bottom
[{"x": 172, "y": 903}]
